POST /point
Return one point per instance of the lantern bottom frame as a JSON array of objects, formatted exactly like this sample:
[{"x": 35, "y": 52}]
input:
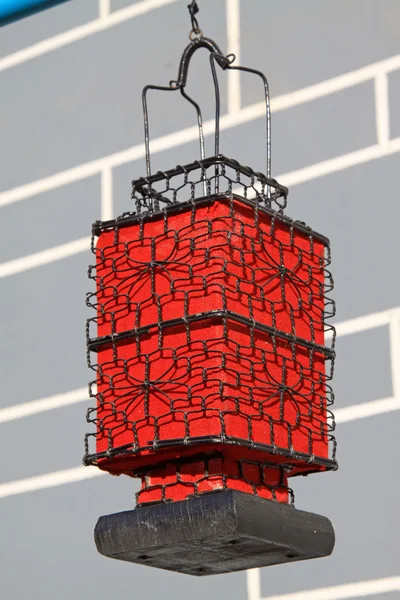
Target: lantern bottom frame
[{"x": 214, "y": 533}]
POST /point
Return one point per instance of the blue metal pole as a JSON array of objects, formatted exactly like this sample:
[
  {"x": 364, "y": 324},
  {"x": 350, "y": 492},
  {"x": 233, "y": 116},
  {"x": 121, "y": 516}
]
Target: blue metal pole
[{"x": 12, "y": 10}]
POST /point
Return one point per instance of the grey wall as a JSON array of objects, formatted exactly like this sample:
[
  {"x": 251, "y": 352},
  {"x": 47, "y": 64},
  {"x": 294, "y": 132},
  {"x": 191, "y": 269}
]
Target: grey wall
[{"x": 81, "y": 102}]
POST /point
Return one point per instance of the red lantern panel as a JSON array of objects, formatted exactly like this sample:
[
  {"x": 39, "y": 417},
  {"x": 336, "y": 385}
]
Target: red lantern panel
[{"x": 210, "y": 336}]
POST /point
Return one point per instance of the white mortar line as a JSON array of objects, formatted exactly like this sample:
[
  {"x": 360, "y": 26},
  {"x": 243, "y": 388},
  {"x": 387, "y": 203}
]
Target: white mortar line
[
  {"x": 339, "y": 163},
  {"x": 336, "y": 84},
  {"x": 104, "y": 8},
  {"x": 45, "y": 257},
  {"x": 233, "y": 34},
  {"x": 106, "y": 194},
  {"x": 347, "y": 590},
  {"x": 49, "y": 480},
  {"x": 52, "y": 182},
  {"x": 27, "y": 409},
  {"x": 366, "y": 409},
  {"x": 253, "y": 581},
  {"x": 382, "y": 109},
  {"x": 394, "y": 336},
  {"x": 228, "y": 121},
  {"x": 80, "y": 32},
  {"x": 370, "y": 321}
]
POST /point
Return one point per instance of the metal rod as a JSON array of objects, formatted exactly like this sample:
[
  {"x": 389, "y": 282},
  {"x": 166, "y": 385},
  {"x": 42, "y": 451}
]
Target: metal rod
[
  {"x": 213, "y": 57},
  {"x": 146, "y": 119},
  {"x": 200, "y": 126},
  {"x": 268, "y": 117}
]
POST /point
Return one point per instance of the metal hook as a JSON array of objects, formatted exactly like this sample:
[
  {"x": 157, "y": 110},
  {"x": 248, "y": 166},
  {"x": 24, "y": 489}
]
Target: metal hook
[
  {"x": 193, "y": 10},
  {"x": 188, "y": 52},
  {"x": 225, "y": 62}
]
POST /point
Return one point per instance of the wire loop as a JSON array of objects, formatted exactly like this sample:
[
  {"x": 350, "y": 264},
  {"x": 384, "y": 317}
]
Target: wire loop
[{"x": 193, "y": 10}]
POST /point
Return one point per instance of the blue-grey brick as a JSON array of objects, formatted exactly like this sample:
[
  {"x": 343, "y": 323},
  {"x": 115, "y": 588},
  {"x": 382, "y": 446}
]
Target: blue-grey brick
[
  {"x": 83, "y": 101},
  {"x": 309, "y": 133},
  {"x": 362, "y": 368},
  {"x": 117, "y": 4},
  {"x": 361, "y": 501},
  {"x": 55, "y": 439},
  {"x": 301, "y": 43},
  {"x": 50, "y": 219},
  {"x": 358, "y": 209},
  {"x": 43, "y": 330},
  {"x": 45, "y": 24},
  {"x": 394, "y": 96}
]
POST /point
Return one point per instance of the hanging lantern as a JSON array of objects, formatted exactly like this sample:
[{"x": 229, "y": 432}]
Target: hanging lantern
[{"x": 211, "y": 360}]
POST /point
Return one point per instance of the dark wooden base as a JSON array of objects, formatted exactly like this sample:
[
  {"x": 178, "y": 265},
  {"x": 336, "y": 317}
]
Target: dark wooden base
[{"x": 214, "y": 533}]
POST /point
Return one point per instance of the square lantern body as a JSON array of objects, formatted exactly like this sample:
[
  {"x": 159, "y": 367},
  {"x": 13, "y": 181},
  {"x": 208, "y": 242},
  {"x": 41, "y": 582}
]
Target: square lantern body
[{"x": 210, "y": 336}]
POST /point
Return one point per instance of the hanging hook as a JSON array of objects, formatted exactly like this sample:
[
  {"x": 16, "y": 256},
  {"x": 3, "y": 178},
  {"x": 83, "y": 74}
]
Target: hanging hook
[
  {"x": 225, "y": 63},
  {"x": 193, "y": 10}
]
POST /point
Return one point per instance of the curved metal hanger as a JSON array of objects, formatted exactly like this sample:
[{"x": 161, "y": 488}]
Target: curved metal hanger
[{"x": 225, "y": 63}]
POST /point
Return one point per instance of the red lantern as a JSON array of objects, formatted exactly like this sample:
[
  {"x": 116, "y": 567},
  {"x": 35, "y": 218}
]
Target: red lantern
[{"x": 212, "y": 371}]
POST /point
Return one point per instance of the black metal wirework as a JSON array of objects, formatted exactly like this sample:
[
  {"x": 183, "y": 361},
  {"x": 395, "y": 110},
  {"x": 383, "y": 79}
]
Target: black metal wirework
[
  {"x": 193, "y": 10},
  {"x": 225, "y": 63},
  {"x": 146, "y": 474},
  {"x": 180, "y": 191},
  {"x": 213, "y": 252}
]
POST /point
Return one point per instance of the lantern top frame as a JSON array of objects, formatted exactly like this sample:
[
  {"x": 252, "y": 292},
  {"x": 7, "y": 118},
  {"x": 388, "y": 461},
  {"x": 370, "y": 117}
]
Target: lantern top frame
[{"x": 225, "y": 62}]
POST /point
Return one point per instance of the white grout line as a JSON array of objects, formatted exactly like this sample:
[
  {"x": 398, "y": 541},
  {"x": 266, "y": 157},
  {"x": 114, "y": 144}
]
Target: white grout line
[
  {"x": 366, "y": 409},
  {"x": 336, "y": 84},
  {"x": 104, "y": 8},
  {"x": 348, "y": 590},
  {"x": 370, "y": 321},
  {"x": 394, "y": 336},
  {"x": 52, "y": 182},
  {"x": 244, "y": 115},
  {"x": 233, "y": 34},
  {"x": 78, "y": 33},
  {"x": 49, "y": 480},
  {"x": 45, "y": 257},
  {"x": 382, "y": 109},
  {"x": 27, "y": 409},
  {"x": 106, "y": 194},
  {"x": 339, "y": 163},
  {"x": 253, "y": 581}
]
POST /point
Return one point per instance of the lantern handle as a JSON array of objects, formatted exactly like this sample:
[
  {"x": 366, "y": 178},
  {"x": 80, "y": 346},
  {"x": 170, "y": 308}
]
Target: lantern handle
[
  {"x": 180, "y": 83},
  {"x": 225, "y": 63},
  {"x": 200, "y": 42}
]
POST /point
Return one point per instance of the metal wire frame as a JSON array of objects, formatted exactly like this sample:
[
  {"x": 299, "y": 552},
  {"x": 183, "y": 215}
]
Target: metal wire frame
[
  {"x": 146, "y": 474},
  {"x": 226, "y": 63},
  {"x": 164, "y": 195}
]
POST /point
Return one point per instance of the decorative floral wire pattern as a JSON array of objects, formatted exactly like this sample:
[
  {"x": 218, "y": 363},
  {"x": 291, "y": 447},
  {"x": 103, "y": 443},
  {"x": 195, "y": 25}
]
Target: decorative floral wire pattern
[{"x": 212, "y": 312}]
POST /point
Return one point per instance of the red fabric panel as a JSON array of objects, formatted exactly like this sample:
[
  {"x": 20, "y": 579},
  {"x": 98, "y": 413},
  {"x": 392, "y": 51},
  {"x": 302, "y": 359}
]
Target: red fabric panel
[
  {"x": 210, "y": 258},
  {"x": 169, "y": 483},
  {"x": 228, "y": 242}
]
